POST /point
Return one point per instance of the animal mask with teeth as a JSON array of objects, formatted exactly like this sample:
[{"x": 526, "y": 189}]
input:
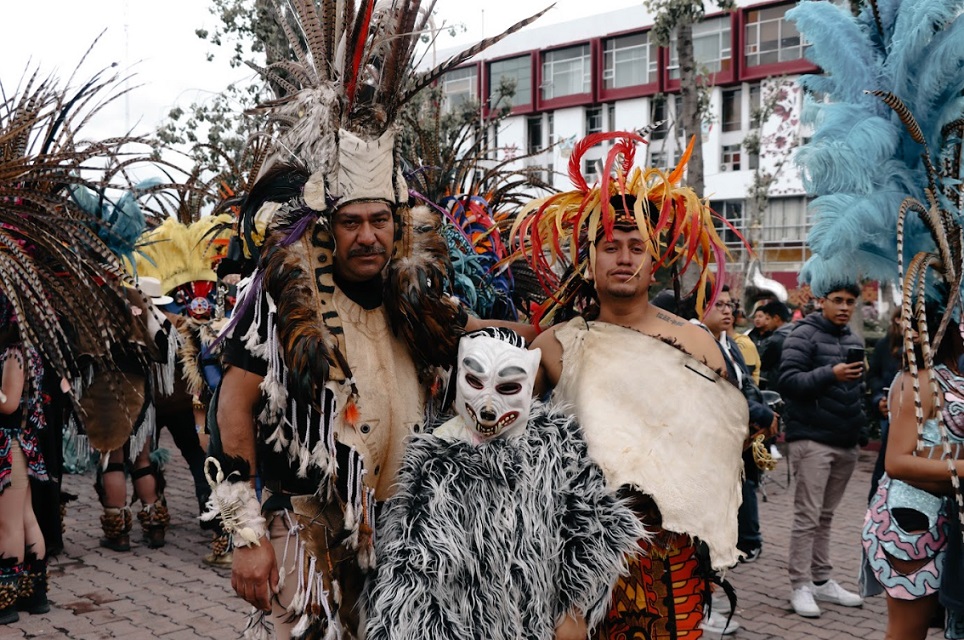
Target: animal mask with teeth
[{"x": 494, "y": 388}]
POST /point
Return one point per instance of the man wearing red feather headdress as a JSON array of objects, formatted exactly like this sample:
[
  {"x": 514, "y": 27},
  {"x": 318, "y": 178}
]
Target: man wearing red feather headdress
[{"x": 647, "y": 387}]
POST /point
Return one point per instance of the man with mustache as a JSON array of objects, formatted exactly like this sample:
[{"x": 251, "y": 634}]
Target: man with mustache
[{"x": 336, "y": 349}]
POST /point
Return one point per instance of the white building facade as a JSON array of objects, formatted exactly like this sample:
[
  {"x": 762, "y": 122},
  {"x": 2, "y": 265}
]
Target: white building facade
[{"x": 605, "y": 73}]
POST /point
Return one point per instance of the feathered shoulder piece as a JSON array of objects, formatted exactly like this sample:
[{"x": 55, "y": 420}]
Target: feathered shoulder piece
[
  {"x": 557, "y": 233},
  {"x": 422, "y": 313}
]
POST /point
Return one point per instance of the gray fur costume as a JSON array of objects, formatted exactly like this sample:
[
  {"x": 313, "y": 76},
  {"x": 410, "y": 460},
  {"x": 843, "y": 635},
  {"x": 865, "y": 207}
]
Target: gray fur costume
[{"x": 497, "y": 541}]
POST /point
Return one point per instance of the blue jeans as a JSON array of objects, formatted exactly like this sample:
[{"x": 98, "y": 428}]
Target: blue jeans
[{"x": 748, "y": 519}]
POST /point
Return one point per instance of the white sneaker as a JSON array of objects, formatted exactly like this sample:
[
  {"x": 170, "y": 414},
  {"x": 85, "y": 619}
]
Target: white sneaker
[
  {"x": 803, "y": 603},
  {"x": 832, "y": 592},
  {"x": 716, "y": 623},
  {"x": 775, "y": 453}
]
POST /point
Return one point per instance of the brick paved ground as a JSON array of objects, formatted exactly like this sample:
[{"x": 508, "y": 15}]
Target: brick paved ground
[{"x": 169, "y": 593}]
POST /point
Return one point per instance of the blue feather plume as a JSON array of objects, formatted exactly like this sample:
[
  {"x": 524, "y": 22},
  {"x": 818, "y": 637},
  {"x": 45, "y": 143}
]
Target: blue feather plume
[{"x": 861, "y": 162}]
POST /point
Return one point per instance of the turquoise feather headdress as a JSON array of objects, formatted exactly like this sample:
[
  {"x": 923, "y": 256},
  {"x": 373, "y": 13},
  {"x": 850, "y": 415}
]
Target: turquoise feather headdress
[{"x": 893, "y": 79}]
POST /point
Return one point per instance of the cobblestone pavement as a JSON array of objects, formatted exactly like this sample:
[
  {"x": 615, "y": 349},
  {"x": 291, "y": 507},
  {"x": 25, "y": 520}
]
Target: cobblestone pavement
[{"x": 168, "y": 593}]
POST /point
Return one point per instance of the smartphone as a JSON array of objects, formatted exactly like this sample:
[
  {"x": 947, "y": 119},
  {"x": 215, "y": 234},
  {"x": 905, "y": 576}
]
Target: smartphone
[{"x": 855, "y": 354}]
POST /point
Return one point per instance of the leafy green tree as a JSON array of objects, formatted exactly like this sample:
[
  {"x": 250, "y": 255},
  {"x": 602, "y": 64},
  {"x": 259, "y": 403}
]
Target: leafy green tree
[
  {"x": 680, "y": 16},
  {"x": 215, "y": 131}
]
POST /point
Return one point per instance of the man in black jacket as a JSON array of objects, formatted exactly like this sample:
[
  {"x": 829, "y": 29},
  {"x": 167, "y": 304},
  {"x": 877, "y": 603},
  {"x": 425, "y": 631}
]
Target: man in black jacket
[
  {"x": 777, "y": 326},
  {"x": 824, "y": 423}
]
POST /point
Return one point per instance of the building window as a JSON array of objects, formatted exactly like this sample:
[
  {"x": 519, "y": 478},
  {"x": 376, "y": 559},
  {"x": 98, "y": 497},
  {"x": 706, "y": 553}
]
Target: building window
[
  {"x": 730, "y": 160},
  {"x": 711, "y": 47},
  {"x": 611, "y": 116},
  {"x": 752, "y": 161},
  {"x": 460, "y": 87},
  {"x": 518, "y": 72},
  {"x": 565, "y": 72},
  {"x": 590, "y": 170},
  {"x": 785, "y": 221},
  {"x": 732, "y": 212},
  {"x": 659, "y": 159},
  {"x": 756, "y": 101},
  {"x": 629, "y": 61},
  {"x": 594, "y": 120},
  {"x": 534, "y": 134},
  {"x": 658, "y": 116},
  {"x": 732, "y": 116},
  {"x": 551, "y": 128},
  {"x": 770, "y": 38},
  {"x": 678, "y": 115}
]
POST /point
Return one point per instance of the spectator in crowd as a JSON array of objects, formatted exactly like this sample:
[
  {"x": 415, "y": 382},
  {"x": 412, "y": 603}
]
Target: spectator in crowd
[
  {"x": 759, "y": 331},
  {"x": 751, "y": 356},
  {"x": 776, "y": 323},
  {"x": 825, "y": 421},
  {"x": 718, "y": 320}
]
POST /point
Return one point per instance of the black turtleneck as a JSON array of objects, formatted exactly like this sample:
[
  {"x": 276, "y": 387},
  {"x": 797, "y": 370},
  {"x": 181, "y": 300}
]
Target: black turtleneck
[{"x": 367, "y": 294}]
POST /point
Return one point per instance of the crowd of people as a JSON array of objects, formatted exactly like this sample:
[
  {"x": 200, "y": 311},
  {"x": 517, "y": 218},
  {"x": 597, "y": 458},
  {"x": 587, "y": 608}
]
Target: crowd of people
[{"x": 380, "y": 453}]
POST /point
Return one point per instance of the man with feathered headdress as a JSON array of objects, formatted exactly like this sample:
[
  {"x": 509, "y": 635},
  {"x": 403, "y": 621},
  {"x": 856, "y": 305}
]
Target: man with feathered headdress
[
  {"x": 180, "y": 259},
  {"x": 334, "y": 352},
  {"x": 647, "y": 387}
]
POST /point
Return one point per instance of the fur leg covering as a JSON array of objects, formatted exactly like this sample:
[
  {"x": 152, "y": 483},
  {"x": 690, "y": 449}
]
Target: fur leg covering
[
  {"x": 154, "y": 519},
  {"x": 116, "y": 523}
]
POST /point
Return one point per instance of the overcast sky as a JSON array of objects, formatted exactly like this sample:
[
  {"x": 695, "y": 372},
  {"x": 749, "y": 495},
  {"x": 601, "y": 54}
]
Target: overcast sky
[{"x": 157, "y": 41}]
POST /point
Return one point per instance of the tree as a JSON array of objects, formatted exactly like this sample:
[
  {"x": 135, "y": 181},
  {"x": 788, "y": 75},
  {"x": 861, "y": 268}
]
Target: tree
[
  {"x": 219, "y": 128},
  {"x": 772, "y": 138},
  {"x": 680, "y": 16}
]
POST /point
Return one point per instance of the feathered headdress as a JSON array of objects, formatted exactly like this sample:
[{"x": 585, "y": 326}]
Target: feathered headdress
[
  {"x": 57, "y": 268},
  {"x": 342, "y": 95},
  {"x": 893, "y": 80},
  {"x": 556, "y": 234},
  {"x": 177, "y": 254},
  {"x": 336, "y": 143},
  {"x": 474, "y": 197},
  {"x": 889, "y": 144}
]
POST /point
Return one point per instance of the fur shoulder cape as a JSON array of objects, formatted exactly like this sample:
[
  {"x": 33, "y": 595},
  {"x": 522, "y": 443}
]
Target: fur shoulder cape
[{"x": 497, "y": 541}]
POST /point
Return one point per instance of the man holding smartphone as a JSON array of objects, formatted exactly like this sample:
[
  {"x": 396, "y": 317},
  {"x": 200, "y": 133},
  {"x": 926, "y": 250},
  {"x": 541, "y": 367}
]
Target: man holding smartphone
[{"x": 821, "y": 380}]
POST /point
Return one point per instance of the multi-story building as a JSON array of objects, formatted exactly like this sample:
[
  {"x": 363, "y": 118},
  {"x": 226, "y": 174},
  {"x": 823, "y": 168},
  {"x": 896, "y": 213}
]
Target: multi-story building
[{"x": 605, "y": 72}]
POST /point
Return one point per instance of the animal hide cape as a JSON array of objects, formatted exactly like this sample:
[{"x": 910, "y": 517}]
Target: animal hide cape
[{"x": 497, "y": 541}]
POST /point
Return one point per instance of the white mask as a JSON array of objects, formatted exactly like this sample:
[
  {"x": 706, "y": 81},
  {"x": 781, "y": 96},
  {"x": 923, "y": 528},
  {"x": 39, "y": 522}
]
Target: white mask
[{"x": 493, "y": 394}]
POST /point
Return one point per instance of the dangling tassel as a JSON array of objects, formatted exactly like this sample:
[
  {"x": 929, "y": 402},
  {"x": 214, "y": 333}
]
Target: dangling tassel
[
  {"x": 258, "y": 627},
  {"x": 352, "y": 414},
  {"x": 164, "y": 373}
]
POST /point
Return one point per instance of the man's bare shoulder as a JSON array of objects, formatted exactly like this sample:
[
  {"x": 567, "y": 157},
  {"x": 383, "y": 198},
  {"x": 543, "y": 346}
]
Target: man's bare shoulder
[
  {"x": 691, "y": 338},
  {"x": 547, "y": 339},
  {"x": 704, "y": 347},
  {"x": 550, "y": 369}
]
